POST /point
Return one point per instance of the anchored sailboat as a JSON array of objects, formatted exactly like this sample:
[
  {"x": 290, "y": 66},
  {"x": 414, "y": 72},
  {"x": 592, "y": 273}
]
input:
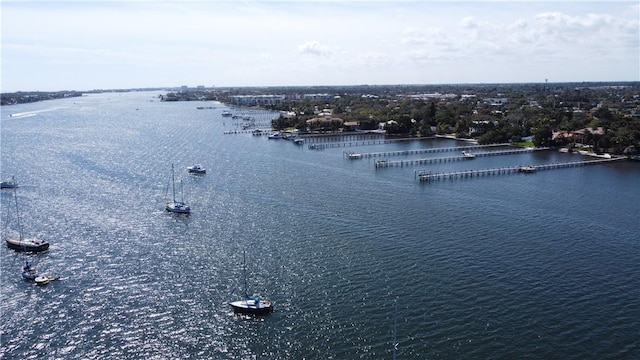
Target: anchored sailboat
[
  {"x": 21, "y": 243},
  {"x": 252, "y": 305},
  {"x": 177, "y": 206}
]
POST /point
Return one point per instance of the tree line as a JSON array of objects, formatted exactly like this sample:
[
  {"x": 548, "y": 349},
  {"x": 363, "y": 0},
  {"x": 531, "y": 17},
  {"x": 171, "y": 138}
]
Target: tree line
[{"x": 537, "y": 111}]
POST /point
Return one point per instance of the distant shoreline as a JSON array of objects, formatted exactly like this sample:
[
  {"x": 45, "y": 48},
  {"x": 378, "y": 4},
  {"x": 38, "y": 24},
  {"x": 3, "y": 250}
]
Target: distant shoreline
[{"x": 36, "y": 96}]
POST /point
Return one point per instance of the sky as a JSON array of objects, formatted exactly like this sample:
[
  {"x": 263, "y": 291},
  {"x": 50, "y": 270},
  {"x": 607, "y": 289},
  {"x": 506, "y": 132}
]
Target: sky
[{"x": 49, "y": 45}]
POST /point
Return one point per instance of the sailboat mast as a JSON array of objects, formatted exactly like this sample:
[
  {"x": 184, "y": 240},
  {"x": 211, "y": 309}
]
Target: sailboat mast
[
  {"x": 181, "y": 191},
  {"x": 244, "y": 270},
  {"x": 395, "y": 328},
  {"x": 15, "y": 195},
  {"x": 173, "y": 183}
]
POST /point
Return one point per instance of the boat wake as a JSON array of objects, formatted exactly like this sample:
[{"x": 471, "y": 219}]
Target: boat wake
[{"x": 33, "y": 113}]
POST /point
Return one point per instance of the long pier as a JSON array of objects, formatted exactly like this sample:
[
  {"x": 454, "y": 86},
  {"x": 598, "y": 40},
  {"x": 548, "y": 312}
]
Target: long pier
[
  {"x": 387, "y": 163},
  {"x": 427, "y": 176},
  {"x": 249, "y": 131},
  {"x": 353, "y": 155},
  {"x": 376, "y": 140}
]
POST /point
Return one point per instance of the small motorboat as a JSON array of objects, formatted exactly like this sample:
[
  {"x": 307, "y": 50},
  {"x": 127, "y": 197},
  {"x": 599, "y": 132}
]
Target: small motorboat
[
  {"x": 44, "y": 280},
  {"x": 196, "y": 169},
  {"x": 527, "y": 169},
  {"x": 468, "y": 155}
]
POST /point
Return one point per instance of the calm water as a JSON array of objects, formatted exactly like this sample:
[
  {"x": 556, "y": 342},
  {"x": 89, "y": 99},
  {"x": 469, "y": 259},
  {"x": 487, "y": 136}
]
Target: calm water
[{"x": 542, "y": 266}]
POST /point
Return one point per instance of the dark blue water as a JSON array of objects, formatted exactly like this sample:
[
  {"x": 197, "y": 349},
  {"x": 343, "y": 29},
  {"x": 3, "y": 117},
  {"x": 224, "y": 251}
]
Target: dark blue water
[{"x": 543, "y": 265}]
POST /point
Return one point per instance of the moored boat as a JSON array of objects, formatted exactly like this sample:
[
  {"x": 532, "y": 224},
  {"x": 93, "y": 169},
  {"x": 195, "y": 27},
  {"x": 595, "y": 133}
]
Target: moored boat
[
  {"x": 527, "y": 169},
  {"x": 176, "y": 206},
  {"x": 44, "y": 280},
  {"x": 29, "y": 272},
  {"x": 196, "y": 169},
  {"x": 468, "y": 155},
  {"x": 26, "y": 245},
  {"x": 20, "y": 243},
  {"x": 251, "y": 305}
]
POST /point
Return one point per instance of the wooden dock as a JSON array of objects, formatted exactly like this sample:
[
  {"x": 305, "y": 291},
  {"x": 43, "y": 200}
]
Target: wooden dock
[
  {"x": 388, "y": 163},
  {"x": 428, "y": 176},
  {"x": 358, "y": 140},
  {"x": 422, "y": 151}
]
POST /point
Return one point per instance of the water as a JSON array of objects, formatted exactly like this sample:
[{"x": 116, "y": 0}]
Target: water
[{"x": 540, "y": 265}]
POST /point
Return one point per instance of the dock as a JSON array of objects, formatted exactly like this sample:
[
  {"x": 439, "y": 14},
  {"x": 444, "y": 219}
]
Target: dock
[
  {"x": 358, "y": 140},
  {"x": 388, "y": 163},
  {"x": 427, "y": 176},
  {"x": 423, "y": 151}
]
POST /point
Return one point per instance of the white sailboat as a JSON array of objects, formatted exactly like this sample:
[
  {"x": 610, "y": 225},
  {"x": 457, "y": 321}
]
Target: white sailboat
[
  {"x": 177, "y": 206},
  {"x": 252, "y": 305},
  {"x": 21, "y": 243}
]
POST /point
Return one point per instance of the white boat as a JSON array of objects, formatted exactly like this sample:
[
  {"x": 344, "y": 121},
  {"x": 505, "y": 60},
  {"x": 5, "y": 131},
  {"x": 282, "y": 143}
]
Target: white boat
[
  {"x": 175, "y": 206},
  {"x": 251, "y": 305},
  {"x": 275, "y": 135},
  {"x": 226, "y": 113},
  {"x": 527, "y": 169},
  {"x": 354, "y": 156},
  {"x": 468, "y": 155},
  {"x": 196, "y": 169},
  {"x": 20, "y": 243},
  {"x": 44, "y": 280}
]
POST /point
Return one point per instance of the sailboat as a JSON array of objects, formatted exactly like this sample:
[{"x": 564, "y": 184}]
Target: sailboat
[
  {"x": 252, "y": 305},
  {"x": 20, "y": 243},
  {"x": 9, "y": 184},
  {"x": 29, "y": 272},
  {"x": 177, "y": 206}
]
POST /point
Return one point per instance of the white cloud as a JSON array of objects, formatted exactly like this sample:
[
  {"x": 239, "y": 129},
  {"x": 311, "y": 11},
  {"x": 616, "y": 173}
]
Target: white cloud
[
  {"x": 469, "y": 22},
  {"x": 314, "y": 48}
]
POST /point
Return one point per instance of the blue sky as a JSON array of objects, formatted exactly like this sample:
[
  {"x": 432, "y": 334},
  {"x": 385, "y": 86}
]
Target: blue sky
[{"x": 84, "y": 45}]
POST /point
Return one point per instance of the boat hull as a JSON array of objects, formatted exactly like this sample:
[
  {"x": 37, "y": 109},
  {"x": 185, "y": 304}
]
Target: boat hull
[
  {"x": 527, "y": 169},
  {"x": 8, "y": 185},
  {"x": 27, "y": 245},
  {"x": 43, "y": 280},
  {"x": 249, "y": 307},
  {"x": 178, "y": 208},
  {"x": 29, "y": 275},
  {"x": 196, "y": 169}
]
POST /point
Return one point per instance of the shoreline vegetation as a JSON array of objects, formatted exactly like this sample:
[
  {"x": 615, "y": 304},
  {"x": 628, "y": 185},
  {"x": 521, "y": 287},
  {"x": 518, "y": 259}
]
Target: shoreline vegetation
[
  {"x": 22, "y": 97},
  {"x": 599, "y": 117}
]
